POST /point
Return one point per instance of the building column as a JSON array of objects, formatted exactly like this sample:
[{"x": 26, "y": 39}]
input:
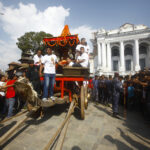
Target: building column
[
  {"x": 103, "y": 56},
  {"x": 148, "y": 55},
  {"x": 136, "y": 55},
  {"x": 99, "y": 55},
  {"x": 108, "y": 57},
  {"x": 122, "y": 62}
]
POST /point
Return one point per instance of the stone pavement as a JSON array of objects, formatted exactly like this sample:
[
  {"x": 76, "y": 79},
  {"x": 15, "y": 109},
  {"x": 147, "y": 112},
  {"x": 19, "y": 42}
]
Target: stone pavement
[{"x": 99, "y": 130}]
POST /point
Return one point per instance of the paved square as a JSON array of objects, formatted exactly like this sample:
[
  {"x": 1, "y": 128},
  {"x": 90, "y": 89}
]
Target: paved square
[{"x": 99, "y": 130}]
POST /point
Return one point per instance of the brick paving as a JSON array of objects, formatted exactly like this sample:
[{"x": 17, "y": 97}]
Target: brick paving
[{"x": 99, "y": 130}]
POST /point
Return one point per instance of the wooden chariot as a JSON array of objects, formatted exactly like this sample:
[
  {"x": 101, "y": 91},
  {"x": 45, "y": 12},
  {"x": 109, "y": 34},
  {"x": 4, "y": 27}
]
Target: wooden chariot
[{"x": 77, "y": 77}]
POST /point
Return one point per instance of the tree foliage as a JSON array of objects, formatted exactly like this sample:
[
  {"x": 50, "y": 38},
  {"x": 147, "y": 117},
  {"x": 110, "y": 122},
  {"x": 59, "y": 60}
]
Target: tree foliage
[{"x": 32, "y": 41}]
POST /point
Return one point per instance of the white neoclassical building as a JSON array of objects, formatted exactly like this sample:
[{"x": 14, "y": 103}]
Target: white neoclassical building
[{"x": 125, "y": 50}]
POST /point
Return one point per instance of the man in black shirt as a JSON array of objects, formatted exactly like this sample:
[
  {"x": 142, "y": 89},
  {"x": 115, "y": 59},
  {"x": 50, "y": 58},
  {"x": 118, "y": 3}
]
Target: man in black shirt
[{"x": 33, "y": 75}]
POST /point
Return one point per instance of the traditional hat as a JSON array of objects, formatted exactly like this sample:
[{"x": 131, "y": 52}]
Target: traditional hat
[
  {"x": 14, "y": 64},
  {"x": 24, "y": 66}
]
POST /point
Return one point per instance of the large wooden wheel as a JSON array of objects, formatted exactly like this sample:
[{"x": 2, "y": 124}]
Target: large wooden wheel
[
  {"x": 86, "y": 97},
  {"x": 82, "y": 102},
  {"x": 89, "y": 93}
]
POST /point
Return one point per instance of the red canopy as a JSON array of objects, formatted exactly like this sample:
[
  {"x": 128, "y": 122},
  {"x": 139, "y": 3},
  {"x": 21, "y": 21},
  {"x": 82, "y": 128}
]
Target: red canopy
[{"x": 62, "y": 40}]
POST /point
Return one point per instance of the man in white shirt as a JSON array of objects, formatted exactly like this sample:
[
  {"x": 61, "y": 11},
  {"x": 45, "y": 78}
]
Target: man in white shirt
[
  {"x": 78, "y": 47},
  {"x": 48, "y": 63},
  {"x": 83, "y": 44},
  {"x": 83, "y": 60},
  {"x": 87, "y": 48},
  {"x": 37, "y": 58}
]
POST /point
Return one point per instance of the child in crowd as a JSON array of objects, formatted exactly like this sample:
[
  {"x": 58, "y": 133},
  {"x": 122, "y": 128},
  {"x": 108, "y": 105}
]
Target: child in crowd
[{"x": 130, "y": 96}]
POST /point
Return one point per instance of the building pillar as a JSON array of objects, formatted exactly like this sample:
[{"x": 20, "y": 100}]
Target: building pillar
[
  {"x": 91, "y": 62},
  {"x": 104, "y": 56},
  {"x": 108, "y": 57},
  {"x": 136, "y": 55},
  {"x": 99, "y": 55},
  {"x": 122, "y": 60},
  {"x": 148, "y": 57}
]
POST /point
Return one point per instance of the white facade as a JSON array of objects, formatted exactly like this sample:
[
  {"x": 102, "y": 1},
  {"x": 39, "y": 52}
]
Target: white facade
[{"x": 125, "y": 50}]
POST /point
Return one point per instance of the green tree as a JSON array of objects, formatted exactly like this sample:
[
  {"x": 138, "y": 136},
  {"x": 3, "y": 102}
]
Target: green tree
[{"x": 32, "y": 41}]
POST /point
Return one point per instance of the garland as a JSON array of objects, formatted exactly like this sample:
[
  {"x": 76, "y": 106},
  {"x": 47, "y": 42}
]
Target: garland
[
  {"x": 59, "y": 42},
  {"x": 77, "y": 40},
  {"x": 72, "y": 43},
  {"x": 63, "y": 44},
  {"x": 51, "y": 44}
]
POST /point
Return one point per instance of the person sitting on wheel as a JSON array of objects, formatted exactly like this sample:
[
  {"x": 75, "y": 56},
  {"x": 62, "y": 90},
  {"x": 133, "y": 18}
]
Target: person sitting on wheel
[{"x": 82, "y": 60}]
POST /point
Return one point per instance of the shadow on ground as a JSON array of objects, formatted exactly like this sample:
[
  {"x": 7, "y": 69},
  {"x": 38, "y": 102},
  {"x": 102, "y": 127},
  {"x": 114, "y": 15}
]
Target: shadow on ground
[
  {"x": 56, "y": 110},
  {"x": 123, "y": 146},
  {"x": 4, "y": 129},
  {"x": 76, "y": 148},
  {"x": 135, "y": 124}
]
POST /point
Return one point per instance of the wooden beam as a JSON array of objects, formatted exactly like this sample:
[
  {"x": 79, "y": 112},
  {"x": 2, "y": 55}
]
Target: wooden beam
[
  {"x": 52, "y": 140},
  {"x": 16, "y": 126}
]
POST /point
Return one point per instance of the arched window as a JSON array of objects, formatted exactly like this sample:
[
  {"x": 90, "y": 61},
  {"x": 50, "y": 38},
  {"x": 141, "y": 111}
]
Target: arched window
[
  {"x": 143, "y": 49},
  {"x": 115, "y": 51},
  {"x": 128, "y": 50}
]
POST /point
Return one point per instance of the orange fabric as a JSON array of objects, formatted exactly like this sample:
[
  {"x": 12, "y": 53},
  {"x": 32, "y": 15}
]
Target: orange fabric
[
  {"x": 10, "y": 90},
  {"x": 63, "y": 62}
]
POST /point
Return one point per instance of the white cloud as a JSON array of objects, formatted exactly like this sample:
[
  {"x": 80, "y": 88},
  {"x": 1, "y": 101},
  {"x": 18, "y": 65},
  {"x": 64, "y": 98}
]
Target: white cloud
[
  {"x": 25, "y": 18},
  {"x": 16, "y": 21},
  {"x": 8, "y": 52}
]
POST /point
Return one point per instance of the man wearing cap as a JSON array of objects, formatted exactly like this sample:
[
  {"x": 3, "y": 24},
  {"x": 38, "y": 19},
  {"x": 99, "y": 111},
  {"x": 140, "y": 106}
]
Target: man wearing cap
[{"x": 117, "y": 89}]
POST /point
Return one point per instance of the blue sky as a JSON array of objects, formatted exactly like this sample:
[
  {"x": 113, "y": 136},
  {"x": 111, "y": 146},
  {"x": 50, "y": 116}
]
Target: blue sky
[
  {"x": 82, "y": 16},
  {"x": 108, "y": 14}
]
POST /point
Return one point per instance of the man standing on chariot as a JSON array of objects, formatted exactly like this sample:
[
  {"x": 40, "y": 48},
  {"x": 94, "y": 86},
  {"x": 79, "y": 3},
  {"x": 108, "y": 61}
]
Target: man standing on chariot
[
  {"x": 48, "y": 63},
  {"x": 37, "y": 58},
  {"x": 83, "y": 44}
]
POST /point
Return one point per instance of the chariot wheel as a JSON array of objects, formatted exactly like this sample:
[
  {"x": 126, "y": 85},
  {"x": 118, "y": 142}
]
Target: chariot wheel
[
  {"x": 82, "y": 102},
  {"x": 86, "y": 97},
  {"x": 89, "y": 93}
]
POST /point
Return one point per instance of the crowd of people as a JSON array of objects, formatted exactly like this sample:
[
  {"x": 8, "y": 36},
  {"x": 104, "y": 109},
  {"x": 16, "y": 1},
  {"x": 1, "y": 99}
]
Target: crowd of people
[
  {"x": 41, "y": 73},
  {"x": 131, "y": 91}
]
